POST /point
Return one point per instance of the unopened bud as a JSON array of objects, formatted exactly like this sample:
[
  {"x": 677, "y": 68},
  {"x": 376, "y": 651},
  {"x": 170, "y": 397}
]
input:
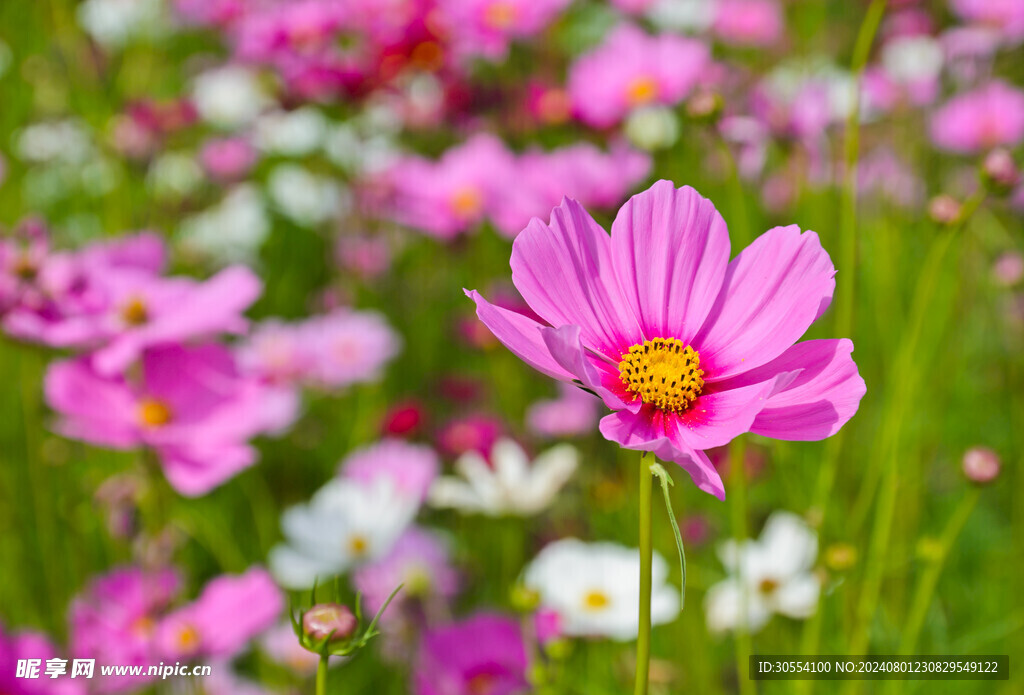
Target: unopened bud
[
  {"x": 944, "y": 209},
  {"x": 999, "y": 172},
  {"x": 705, "y": 106},
  {"x": 981, "y": 465},
  {"x": 329, "y": 620}
]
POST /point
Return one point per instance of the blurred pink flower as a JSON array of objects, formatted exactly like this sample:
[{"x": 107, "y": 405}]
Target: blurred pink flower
[
  {"x": 749, "y": 22},
  {"x": 634, "y": 6},
  {"x": 411, "y": 468},
  {"x": 227, "y": 159},
  {"x": 1004, "y": 16},
  {"x": 18, "y": 646},
  {"x": 573, "y": 413},
  {"x": 404, "y": 419},
  {"x": 472, "y": 433},
  {"x": 487, "y": 27},
  {"x": 481, "y": 654},
  {"x": 452, "y": 195},
  {"x": 191, "y": 406},
  {"x": 114, "y": 620},
  {"x": 230, "y": 611},
  {"x": 688, "y": 349},
  {"x": 978, "y": 120},
  {"x": 1008, "y": 269},
  {"x": 363, "y": 255},
  {"x": 631, "y": 69},
  {"x": 419, "y": 561},
  {"x": 281, "y": 645}
]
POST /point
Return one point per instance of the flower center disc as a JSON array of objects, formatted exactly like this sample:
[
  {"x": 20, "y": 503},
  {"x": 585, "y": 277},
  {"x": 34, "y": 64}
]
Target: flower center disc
[{"x": 663, "y": 372}]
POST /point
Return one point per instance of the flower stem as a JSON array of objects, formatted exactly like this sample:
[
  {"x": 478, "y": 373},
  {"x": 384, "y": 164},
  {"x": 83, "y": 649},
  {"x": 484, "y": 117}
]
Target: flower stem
[
  {"x": 643, "y": 642},
  {"x": 321, "y": 675},
  {"x": 738, "y": 516}
]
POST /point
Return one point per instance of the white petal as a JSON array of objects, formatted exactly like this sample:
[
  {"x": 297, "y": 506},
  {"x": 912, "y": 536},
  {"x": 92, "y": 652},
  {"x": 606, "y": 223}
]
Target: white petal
[
  {"x": 723, "y": 607},
  {"x": 791, "y": 543},
  {"x": 798, "y": 598}
]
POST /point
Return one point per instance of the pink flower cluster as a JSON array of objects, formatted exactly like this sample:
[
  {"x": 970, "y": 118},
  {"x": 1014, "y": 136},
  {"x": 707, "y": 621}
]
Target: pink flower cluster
[
  {"x": 125, "y": 617},
  {"x": 150, "y": 373},
  {"x": 481, "y": 178}
]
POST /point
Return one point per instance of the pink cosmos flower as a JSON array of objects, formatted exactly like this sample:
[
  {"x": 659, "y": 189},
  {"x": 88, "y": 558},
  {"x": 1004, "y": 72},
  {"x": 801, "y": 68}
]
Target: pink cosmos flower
[
  {"x": 191, "y": 406},
  {"x": 631, "y": 69},
  {"x": 227, "y": 159},
  {"x": 281, "y": 645},
  {"x": 981, "y": 119},
  {"x": 482, "y": 654},
  {"x": 573, "y": 413},
  {"x": 487, "y": 27},
  {"x": 749, "y": 22},
  {"x": 472, "y": 433},
  {"x": 230, "y": 611},
  {"x": 410, "y": 467},
  {"x": 33, "y": 645},
  {"x": 419, "y": 560},
  {"x": 1004, "y": 16},
  {"x": 689, "y": 350},
  {"x": 452, "y": 195},
  {"x": 115, "y": 620}
]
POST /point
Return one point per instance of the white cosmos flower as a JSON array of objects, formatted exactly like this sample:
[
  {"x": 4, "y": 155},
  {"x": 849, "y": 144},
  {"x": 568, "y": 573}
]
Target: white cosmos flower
[
  {"x": 229, "y": 96},
  {"x": 770, "y": 575},
  {"x": 291, "y": 133},
  {"x": 593, "y": 588},
  {"x": 231, "y": 231},
  {"x": 347, "y": 523},
  {"x": 306, "y": 198},
  {"x": 913, "y": 58},
  {"x": 510, "y": 485}
]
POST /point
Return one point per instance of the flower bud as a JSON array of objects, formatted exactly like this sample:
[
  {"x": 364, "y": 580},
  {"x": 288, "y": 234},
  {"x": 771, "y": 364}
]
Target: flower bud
[
  {"x": 652, "y": 127},
  {"x": 981, "y": 465},
  {"x": 705, "y": 106},
  {"x": 1008, "y": 269},
  {"x": 999, "y": 172},
  {"x": 944, "y": 209},
  {"x": 329, "y": 620}
]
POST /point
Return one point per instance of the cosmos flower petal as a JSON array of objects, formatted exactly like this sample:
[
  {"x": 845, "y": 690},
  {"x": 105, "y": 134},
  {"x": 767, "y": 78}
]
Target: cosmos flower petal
[
  {"x": 718, "y": 417},
  {"x": 566, "y": 346},
  {"x": 520, "y": 334},
  {"x": 197, "y": 470},
  {"x": 724, "y": 603},
  {"x": 643, "y": 433},
  {"x": 822, "y": 397},
  {"x": 798, "y": 597},
  {"x": 564, "y": 271},
  {"x": 671, "y": 250},
  {"x": 95, "y": 410},
  {"x": 773, "y": 291}
]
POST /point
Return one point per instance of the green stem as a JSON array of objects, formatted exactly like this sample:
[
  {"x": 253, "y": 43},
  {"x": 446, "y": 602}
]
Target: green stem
[
  {"x": 321, "y": 675},
  {"x": 930, "y": 577},
  {"x": 643, "y": 641},
  {"x": 738, "y": 517}
]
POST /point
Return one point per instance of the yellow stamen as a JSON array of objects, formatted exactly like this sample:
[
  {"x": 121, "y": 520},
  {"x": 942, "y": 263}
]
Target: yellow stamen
[
  {"x": 596, "y": 601},
  {"x": 641, "y": 90},
  {"x": 358, "y": 545},
  {"x": 768, "y": 586},
  {"x": 467, "y": 202},
  {"x": 188, "y": 638},
  {"x": 154, "y": 413},
  {"x": 500, "y": 15},
  {"x": 663, "y": 373},
  {"x": 135, "y": 313}
]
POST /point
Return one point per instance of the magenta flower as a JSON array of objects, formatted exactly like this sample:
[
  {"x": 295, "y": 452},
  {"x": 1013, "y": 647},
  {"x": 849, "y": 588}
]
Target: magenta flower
[
  {"x": 749, "y": 22},
  {"x": 1004, "y": 16},
  {"x": 689, "y": 350},
  {"x": 981, "y": 119},
  {"x": 191, "y": 406},
  {"x": 33, "y": 645},
  {"x": 230, "y": 611},
  {"x": 487, "y": 27},
  {"x": 482, "y": 654},
  {"x": 227, "y": 159},
  {"x": 115, "y": 620},
  {"x": 411, "y": 468},
  {"x": 573, "y": 413},
  {"x": 631, "y": 69},
  {"x": 419, "y": 560}
]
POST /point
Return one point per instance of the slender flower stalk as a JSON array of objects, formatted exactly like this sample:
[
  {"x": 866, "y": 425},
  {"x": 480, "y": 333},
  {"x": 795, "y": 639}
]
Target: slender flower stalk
[
  {"x": 738, "y": 514},
  {"x": 643, "y": 643},
  {"x": 321, "y": 675}
]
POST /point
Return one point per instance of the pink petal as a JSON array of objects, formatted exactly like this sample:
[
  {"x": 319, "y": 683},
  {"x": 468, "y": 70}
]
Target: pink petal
[
  {"x": 823, "y": 396},
  {"x": 194, "y": 471},
  {"x": 564, "y": 271},
  {"x": 646, "y": 431},
  {"x": 568, "y": 350},
  {"x": 671, "y": 249},
  {"x": 520, "y": 334},
  {"x": 92, "y": 409},
  {"x": 718, "y": 417},
  {"x": 773, "y": 291}
]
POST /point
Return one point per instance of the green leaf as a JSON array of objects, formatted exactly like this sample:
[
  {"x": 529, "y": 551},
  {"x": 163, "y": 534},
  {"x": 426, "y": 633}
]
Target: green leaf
[{"x": 666, "y": 482}]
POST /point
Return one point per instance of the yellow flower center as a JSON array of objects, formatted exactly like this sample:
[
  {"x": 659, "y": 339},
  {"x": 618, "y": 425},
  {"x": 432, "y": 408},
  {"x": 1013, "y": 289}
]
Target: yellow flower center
[
  {"x": 358, "y": 545},
  {"x": 641, "y": 90},
  {"x": 768, "y": 586},
  {"x": 500, "y": 15},
  {"x": 467, "y": 202},
  {"x": 480, "y": 684},
  {"x": 154, "y": 413},
  {"x": 663, "y": 373},
  {"x": 188, "y": 638},
  {"x": 135, "y": 313},
  {"x": 596, "y": 601}
]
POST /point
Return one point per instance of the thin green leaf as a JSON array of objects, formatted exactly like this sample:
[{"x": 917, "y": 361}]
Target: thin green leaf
[{"x": 666, "y": 481}]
